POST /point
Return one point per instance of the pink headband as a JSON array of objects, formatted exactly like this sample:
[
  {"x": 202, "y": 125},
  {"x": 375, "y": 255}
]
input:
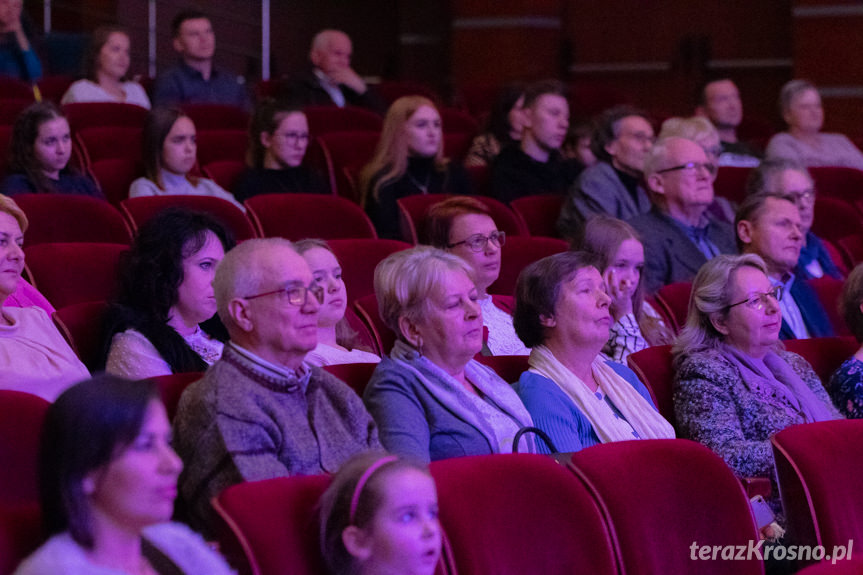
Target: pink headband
[{"x": 364, "y": 478}]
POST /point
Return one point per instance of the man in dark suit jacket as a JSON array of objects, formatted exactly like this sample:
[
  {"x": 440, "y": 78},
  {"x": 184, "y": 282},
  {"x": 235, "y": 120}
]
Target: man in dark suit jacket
[
  {"x": 331, "y": 81},
  {"x": 678, "y": 235},
  {"x": 770, "y": 226}
]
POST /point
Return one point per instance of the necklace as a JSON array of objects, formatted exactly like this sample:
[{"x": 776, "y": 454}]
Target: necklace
[{"x": 423, "y": 187}]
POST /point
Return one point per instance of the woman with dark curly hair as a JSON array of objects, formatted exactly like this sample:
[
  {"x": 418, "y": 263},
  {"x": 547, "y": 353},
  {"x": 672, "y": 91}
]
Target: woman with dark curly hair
[
  {"x": 166, "y": 293},
  {"x": 40, "y": 150}
]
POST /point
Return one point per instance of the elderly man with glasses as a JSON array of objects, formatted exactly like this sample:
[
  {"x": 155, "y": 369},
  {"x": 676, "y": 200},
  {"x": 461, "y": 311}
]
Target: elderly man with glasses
[
  {"x": 770, "y": 226},
  {"x": 678, "y": 234},
  {"x": 260, "y": 411}
]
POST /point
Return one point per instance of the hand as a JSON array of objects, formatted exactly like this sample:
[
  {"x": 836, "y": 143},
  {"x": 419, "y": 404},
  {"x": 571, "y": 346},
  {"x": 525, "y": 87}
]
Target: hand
[
  {"x": 620, "y": 291},
  {"x": 10, "y": 17},
  {"x": 349, "y": 78}
]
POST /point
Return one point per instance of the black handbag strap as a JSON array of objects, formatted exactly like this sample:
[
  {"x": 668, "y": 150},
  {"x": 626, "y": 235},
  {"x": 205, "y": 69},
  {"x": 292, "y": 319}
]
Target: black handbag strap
[{"x": 536, "y": 431}]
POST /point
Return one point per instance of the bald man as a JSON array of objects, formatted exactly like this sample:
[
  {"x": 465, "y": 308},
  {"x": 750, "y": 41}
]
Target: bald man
[{"x": 330, "y": 81}]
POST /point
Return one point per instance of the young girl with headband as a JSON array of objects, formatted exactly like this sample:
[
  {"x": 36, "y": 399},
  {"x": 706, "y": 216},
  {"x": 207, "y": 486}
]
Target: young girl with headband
[{"x": 378, "y": 516}]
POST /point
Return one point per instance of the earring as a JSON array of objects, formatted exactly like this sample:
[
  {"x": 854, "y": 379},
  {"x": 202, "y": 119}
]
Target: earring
[{"x": 420, "y": 345}]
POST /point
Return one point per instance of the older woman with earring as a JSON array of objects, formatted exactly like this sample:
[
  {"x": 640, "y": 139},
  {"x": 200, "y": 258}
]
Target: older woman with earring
[
  {"x": 734, "y": 385},
  {"x": 430, "y": 398},
  {"x": 464, "y": 227},
  {"x": 575, "y": 394},
  {"x": 409, "y": 160}
]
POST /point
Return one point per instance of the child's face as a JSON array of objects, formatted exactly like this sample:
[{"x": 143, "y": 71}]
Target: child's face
[{"x": 404, "y": 536}]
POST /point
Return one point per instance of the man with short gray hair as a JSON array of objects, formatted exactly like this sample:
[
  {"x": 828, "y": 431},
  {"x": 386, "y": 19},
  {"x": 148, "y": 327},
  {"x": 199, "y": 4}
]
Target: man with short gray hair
[
  {"x": 261, "y": 412},
  {"x": 678, "y": 234}
]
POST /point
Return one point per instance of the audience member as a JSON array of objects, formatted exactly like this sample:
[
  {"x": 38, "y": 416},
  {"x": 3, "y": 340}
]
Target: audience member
[
  {"x": 39, "y": 154},
  {"x": 34, "y": 357},
  {"x": 719, "y": 102},
  {"x": 702, "y": 132},
  {"x": 770, "y": 227},
  {"x": 846, "y": 383},
  {"x": 17, "y": 56},
  {"x": 504, "y": 127},
  {"x": 108, "y": 477},
  {"x": 25, "y": 295},
  {"x": 166, "y": 293},
  {"x": 260, "y": 411},
  {"x": 621, "y": 141},
  {"x": 576, "y": 146},
  {"x": 330, "y": 80},
  {"x": 536, "y": 166},
  {"x": 278, "y": 139},
  {"x": 780, "y": 177},
  {"x": 800, "y": 104},
  {"x": 195, "y": 80},
  {"x": 464, "y": 227},
  {"x": 620, "y": 259},
  {"x": 170, "y": 153},
  {"x": 107, "y": 63},
  {"x": 408, "y": 161},
  {"x": 337, "y": 342},
  {"x": 734, "y": 385},
  {"x": 431, "y": 399},
  {"x": 576, "y": 395},
  {"x": 678, "y": 234},
  {"x": 380, "y": 515}
]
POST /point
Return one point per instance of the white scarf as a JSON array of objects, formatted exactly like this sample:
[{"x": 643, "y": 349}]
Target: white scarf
[{"x": 641, "y": 416}]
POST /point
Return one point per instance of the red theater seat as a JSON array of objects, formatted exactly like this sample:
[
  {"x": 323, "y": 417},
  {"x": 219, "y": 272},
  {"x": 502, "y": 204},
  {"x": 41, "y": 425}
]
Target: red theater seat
[
  {"x": 835, "y": 218},
  {"x": 171, "y": 388},
  {"x": 106, "y": 142},
  {"x": 679, "y": 484},
  {"x": 298, "y": 216},
  {"x": 226, "y": 173},
  {"x": 140, "y": 210},
  {"x": 72, "y": 218},
  {"x": 367, "y": 309},
  {"x": 829, "y": 292},
  {"x": 21, "y": 416},
  {"x": 220, "y": 145},
  {"x": 85, "y": 114},
  {"x": 824, "y": 354},
  {"x": 837, "y": 182},
  {"x": 819, "y": 466},
  {"x": 326, "y": 119},
  {"x": 521, "y": 514},
  {"x": 358, "y": 258},
  {"x": 82, "y": 324},
  {"x": 21, "y": 533},
  {"x": 334, "y": 152},
  {"x": 73, "y": 273},
  {"x": 455, "y": 121},
  {"x": 217, "y": 117},
  {"x": 539, "y": 213},
  {"x": 356, "y": 375},
  {"x": 731, "y": 183},
  {"x": 517, "y": 254},
  {"x": 652, "y": 365},
  {"x": 673, "y": 301},
  {"x": 508, "y": 367},
  {"x": 11, "y": 107}
]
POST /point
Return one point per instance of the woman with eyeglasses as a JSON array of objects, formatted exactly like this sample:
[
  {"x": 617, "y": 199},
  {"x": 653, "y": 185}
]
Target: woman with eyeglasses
[
  {"x": 791, "y": 178},
  {"x": 157, "y": 324},
  {"x": 430, "y": 398},
  {"x": 463, "y": 226},
  {"x": 734, "y": 384},
  {"x": 278, "y": 140}
]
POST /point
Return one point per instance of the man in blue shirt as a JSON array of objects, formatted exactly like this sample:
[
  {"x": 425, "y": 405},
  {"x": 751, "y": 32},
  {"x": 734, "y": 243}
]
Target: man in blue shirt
[{"x": 195, "y": 80}]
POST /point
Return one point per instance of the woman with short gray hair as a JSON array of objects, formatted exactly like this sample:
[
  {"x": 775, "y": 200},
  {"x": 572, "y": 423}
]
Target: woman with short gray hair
[
  {"x": 800, "y": 105},
  {"x": 734, "y": 385},
  {"x": 430, "y": 398}
]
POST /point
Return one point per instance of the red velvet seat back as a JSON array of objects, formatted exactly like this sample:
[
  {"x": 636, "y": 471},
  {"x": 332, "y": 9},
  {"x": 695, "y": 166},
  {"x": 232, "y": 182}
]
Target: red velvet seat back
[
  {"x": 327, "y": 119},
  {"x": 11, "y": 107},
  {"x": 82, "y": 324},
  {"x": 73, "y": 273},
  {"x": 508, "y": 367},
  {"x": 456, "y": 146},
  {"x": 358, "y": 258},
  {"x": 539, "y": 213},
  {"x": 72, "y": 218},
  {"x": 226, "y": 173},
  {"x": 660, "y": 496},
  {"x": 21, "y": 533},
  {"x": 21, "y": 416},
  {"x": 673, "y": 300},
  {"x": 103, "y": 142},
  {"x": 730, "y": 183},
  {"x": 824, "y": 354},
  {"x": 217, "y": 117},
  {"x": 829, "y": 292},
  {"x": 838, "y": 182},
  {"x": 455, "y": 120},
  {"x": 517, "y": 254},
  {"x": 140, "y": 210},
  {"x": 819, "y": 466},
  {"x": 115, "y": 176},
  {"x": 520, "y": 514},
  {"x": 217, "y": 145},
  {"x": 299, "y": 216},
  {"x": 365, "y": 338},
  {"x": 171, "y": 388},
  {"x": 85, "y": 114},
  {"x": 653, "y": 367},
  {"x": 835, "y": 218},
  {"x": 367, "y": 309},
  {"x": 274, "y": 525},
  {"x": 356, "y": 375}
]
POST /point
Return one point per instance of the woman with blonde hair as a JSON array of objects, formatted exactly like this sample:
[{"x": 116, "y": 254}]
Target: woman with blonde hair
[
  {"x": 409, "y": 160},
  {"x": 620, "y": 257}
]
